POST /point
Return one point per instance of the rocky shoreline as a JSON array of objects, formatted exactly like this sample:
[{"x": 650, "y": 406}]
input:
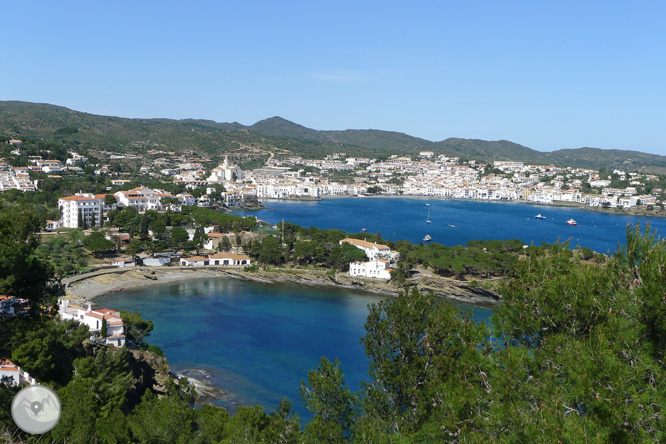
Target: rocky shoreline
[{"x": 86, "y": 288}]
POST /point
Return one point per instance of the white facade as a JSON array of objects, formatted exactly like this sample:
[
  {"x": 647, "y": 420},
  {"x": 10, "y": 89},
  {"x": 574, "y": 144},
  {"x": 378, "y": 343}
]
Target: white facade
[
  {"x": 219, "y": 259},
  {"x": 13, "y": 374},
  {"x": 90, "y": 206},
  {"x": 378, "y": 269},
  {"x": 373, "y": 250},
  {"x": 226, "y": 173},
  {"x": 93, "y": 319},
  {"x": 122, "y": 263}
]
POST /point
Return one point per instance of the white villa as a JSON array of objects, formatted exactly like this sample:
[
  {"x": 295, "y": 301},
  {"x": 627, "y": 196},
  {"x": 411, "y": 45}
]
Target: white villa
[
  {"x": 373, "y": 250},
  {"x": 378, "y": 269},
  {"x": 93, "y": 319},
  {"x": 90, "y": 206},
  {"x": 221, "y": 259}
]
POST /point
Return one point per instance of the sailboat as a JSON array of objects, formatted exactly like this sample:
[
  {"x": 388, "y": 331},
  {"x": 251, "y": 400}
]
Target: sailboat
[{"x": 428, "y": 219}]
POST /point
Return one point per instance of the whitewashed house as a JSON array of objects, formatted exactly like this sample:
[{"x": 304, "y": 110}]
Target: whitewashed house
[
  {"x": 219, "y": 259},
  {"x": 372, "y": 249},
  {"x": 122, "y": 263},
  {"x": 115, "y": 331},
  {"x": 377, "y": 269},
  {"x": 13, "y": 374}
]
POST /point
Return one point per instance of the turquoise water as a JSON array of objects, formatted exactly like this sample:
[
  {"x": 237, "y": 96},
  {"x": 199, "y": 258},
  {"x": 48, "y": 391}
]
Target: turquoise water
[
  {"x": 255, "y": 341},
  {"x": 405, "y": 219}
]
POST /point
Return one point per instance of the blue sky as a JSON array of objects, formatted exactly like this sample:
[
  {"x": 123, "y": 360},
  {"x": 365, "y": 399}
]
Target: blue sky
[{"x": 545, "y": 74}]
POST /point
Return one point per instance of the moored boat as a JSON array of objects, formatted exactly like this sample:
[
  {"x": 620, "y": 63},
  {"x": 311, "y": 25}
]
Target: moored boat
[
  {"x": 539, "y": 216},
  {"x": 427, "y": 238},
  {"x": 572, "y": 222}
]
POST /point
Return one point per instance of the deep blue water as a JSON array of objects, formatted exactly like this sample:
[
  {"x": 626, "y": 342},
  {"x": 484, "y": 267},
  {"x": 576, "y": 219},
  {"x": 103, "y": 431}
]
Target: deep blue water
[
  {"x": 256, "y": 341},
  {"x": 405, "y": 219}
]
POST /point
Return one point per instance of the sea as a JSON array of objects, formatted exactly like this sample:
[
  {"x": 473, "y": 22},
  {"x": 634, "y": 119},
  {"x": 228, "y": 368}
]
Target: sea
[
  {"x": 257, "y": 342},
  {"x": 456, "y": 222}
]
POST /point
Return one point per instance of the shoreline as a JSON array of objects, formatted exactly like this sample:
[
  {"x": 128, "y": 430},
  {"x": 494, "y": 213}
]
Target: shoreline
[{"x": 86, "y": 288}]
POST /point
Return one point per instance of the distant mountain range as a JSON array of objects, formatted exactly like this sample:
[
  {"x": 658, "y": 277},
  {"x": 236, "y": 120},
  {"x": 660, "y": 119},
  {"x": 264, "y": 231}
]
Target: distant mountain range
[{"x": 77, "y": 129}]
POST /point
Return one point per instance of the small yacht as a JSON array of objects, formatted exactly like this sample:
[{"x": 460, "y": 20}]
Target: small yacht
[
  {"x": 539, "y": 216},
  {"x": 427, "y": 238},
  {"x": 572, "y": 222},
  {"x": 452, "y": 226},
  {"x": 364, "y": 229}
]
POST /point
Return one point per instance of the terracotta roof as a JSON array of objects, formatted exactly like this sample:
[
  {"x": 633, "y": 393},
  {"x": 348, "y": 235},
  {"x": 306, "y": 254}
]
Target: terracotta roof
[
  {"x": 215, "y": 234},
  {"x": 195, "y": 258},
  {"x": 365, "y": 244},
  {"x": 105, "y": 310},
  {"x": 237, "y": 257},
  {"x": 75, "y": 197}
]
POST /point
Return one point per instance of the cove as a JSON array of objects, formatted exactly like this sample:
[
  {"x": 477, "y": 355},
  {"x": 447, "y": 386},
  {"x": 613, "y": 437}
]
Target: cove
[{"x": 255, "y": 341}]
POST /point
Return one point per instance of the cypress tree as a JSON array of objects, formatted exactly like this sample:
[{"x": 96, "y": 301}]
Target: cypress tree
[{"x": 103, "y": 331}]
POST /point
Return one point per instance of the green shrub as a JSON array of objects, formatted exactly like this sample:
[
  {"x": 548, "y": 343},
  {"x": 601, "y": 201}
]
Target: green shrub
[{"x": 156, "y": 350}]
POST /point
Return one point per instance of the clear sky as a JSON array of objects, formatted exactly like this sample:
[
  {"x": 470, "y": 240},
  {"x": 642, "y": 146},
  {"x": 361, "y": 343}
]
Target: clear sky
[{"x": 545, "y": 74}]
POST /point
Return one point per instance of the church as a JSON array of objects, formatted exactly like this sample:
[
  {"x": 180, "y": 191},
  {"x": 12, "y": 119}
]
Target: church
[{"x": 226, "y": 173}]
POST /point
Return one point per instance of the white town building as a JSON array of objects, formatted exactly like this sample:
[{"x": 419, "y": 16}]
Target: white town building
[
  {"x": 89, "y": 206},
  {"x": 226, "y": 173}
]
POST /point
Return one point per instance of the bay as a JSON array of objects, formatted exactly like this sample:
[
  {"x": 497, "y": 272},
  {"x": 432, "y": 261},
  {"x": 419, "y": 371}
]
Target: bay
[
  {"x": 399, "y": 218},
  {"x": 255, "y": 341}
]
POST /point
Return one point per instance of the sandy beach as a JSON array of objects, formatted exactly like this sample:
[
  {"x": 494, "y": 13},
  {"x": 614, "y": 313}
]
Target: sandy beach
[{"x": 96, "y": 284}]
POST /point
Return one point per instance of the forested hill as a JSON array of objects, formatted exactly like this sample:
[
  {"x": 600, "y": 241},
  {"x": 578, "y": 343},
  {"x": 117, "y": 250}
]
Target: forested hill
[{"x": 77, "y": 129}]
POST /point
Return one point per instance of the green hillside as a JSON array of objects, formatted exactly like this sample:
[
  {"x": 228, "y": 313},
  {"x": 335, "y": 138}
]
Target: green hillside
[{"x": 78, "y": 130}]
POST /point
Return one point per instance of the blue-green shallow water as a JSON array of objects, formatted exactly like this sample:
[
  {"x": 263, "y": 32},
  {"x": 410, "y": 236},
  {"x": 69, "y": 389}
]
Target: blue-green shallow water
[
  {"x": 405, "y": 219},
  {"x": 256, "y": 341}
]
